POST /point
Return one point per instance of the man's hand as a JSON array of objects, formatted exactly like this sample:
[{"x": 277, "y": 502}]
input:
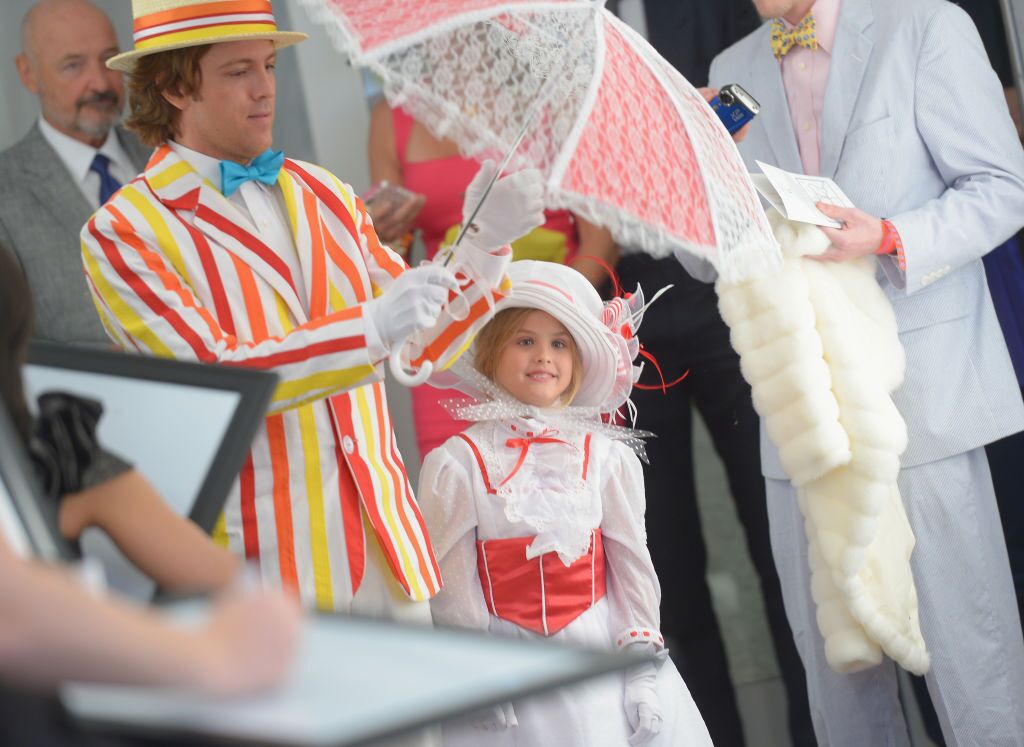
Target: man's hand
[
  {"x": 410, "y": 304},
  {"x": 741, "y": 133},
  {"x": 514, "y": 207},
  {"x": 861, "y": 234}
]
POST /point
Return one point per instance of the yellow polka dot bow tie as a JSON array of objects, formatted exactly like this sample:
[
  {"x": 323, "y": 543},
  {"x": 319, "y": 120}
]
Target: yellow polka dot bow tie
[{"x": 803, "y": 34}]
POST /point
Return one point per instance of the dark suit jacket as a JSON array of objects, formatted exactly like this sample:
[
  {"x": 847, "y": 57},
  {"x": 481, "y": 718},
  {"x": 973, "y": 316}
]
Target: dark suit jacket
[{"x": 42, "y": 212}]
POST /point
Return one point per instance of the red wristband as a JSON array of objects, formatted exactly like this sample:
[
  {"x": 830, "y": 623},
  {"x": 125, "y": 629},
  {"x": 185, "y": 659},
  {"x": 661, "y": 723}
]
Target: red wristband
[{"x": 891, "y": 242}]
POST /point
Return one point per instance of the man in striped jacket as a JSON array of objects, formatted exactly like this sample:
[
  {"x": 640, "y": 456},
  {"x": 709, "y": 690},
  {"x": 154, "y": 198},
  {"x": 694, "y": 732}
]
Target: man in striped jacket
[{"x": 225, "y": 251}]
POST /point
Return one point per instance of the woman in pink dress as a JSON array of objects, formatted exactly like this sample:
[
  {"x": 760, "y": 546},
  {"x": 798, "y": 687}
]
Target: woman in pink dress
[{"x": 404, "y": 153}]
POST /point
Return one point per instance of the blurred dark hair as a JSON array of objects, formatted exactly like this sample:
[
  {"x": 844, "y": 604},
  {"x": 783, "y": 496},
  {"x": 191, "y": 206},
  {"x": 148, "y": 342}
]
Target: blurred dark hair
[{"x": 17, "y": 318}]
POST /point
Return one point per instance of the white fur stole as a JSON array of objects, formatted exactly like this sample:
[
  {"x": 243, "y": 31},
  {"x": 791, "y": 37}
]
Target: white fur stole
[{"x": 818, "y": 344}]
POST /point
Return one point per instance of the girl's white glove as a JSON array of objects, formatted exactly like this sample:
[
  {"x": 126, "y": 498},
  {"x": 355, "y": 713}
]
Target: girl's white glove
[{"x": 643, "y": 709}]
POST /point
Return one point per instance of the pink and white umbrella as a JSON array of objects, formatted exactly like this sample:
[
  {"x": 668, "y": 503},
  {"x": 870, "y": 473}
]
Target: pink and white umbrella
[{"x": 619, "y": 135}]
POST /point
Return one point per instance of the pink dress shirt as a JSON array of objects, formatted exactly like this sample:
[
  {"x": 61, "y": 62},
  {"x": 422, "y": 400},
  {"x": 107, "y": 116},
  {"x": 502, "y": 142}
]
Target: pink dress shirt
[{"x": 804, "y": 76}]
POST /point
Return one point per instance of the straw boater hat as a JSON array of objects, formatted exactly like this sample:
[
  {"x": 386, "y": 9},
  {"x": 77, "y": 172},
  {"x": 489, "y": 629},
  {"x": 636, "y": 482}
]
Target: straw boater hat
[
  {"x": 605, "y": 334},
  {"x": 161, "y": 25}
]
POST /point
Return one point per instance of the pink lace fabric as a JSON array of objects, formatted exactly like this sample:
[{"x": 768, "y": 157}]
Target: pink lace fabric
[{"x": 620, "y": 137}]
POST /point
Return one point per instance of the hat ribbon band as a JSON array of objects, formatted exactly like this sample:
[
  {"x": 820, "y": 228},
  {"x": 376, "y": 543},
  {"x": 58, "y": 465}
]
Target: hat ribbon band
[{"x": 211, "y": 19}]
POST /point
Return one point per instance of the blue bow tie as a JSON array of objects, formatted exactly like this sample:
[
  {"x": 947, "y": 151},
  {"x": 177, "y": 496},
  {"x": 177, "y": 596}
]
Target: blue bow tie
[{"x": 264, "y": 168}]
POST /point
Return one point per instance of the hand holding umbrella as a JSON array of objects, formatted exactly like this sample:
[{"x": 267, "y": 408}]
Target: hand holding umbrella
[{"x": 496, "y": 212}]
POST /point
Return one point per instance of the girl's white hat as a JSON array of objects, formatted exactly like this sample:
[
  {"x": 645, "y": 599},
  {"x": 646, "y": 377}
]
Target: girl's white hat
[{"x": 605, "y": 334}]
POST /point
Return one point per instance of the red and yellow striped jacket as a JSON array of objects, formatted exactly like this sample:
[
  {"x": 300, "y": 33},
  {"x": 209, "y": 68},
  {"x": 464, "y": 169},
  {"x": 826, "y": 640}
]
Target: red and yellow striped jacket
[{"x": 176, "y": 271}]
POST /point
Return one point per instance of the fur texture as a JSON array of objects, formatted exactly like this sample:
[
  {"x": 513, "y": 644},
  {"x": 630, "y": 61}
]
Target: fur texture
[{"x": 818, "y": 344}]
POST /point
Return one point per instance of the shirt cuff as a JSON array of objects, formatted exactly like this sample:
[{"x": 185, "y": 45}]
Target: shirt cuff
[
  {"x": 639, "y": 635},
  {"x": 892, "y": 244},
  {"x": 375, "y": 349},
  {"x": 487, "y": 267}
]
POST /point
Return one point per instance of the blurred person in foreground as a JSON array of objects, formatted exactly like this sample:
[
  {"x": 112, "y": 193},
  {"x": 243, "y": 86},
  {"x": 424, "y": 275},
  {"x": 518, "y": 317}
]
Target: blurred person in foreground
[{"x": 53, "y": 629}]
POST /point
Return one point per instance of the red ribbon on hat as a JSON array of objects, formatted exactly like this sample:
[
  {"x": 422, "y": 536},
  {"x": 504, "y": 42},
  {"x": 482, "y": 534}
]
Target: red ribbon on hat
[{"x": 663, "y": 386}]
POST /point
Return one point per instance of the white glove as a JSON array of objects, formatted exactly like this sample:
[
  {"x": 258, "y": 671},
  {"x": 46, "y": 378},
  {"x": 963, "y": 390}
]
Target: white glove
[
  {"x": 496, "y": 718},
  {"x": 410, "y": 304},
  {"x": 514, "y": 207},
  {"x": 643, "y": 709}
]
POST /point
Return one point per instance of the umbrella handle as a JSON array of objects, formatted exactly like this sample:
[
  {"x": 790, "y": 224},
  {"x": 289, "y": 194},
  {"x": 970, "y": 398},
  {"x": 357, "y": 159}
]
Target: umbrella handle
[{"x": 400, "y": 374}]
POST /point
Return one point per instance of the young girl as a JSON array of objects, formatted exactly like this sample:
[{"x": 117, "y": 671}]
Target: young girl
[{"x": 537, "y": 514}]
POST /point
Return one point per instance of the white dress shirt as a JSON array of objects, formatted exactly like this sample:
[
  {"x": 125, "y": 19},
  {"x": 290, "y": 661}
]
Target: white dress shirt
[{"x": 77, "y": 157}]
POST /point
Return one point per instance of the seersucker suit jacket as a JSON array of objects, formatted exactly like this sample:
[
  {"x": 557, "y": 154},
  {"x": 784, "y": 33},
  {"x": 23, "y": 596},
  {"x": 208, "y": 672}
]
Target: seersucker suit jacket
[
  {"x": 42, "y": 212},
  {"x": 914, "y": 129}
]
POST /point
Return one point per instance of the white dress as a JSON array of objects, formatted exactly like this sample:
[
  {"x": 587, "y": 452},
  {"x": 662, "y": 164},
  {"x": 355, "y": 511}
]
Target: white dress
[{"x": 547, "y": 498}]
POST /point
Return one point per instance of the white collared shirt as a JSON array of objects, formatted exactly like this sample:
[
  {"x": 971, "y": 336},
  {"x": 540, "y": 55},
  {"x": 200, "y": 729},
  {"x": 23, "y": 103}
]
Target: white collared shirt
[
  {"x": 261, "y": 206},
  {"x": 77, "y": 157}
]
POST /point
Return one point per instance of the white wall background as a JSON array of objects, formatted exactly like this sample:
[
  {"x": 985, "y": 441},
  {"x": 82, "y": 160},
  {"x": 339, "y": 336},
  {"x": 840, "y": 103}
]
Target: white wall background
[{"x": 321, "y": 117}]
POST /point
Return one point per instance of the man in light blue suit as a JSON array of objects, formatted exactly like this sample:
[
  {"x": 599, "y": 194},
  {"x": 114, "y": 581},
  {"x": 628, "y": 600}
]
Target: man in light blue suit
[{"x": 896, "y": 101}]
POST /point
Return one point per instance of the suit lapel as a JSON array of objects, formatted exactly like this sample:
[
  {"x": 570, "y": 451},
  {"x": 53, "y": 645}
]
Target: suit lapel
[
  {"x": 767, "y": 88},
  {"x": 850, "y": 53},
  {"x": 179, "y": 187},
  {"x": 51, "y": 182},
  {"x": 307, "y": 229}
]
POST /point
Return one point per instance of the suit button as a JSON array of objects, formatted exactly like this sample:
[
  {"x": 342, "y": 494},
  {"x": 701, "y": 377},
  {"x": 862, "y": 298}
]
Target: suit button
[{"x": 348, "y": 444}]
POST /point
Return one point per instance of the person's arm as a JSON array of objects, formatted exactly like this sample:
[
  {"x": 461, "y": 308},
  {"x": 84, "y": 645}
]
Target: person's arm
[
  {"x": 445, "y": 496},
  {"x": 973, "y": 145},
  {"x": 53, "y": 630},
  {"x": 384, "y": 163},
  {"x": 633, "y": 588},
  {"x": 391, "y": 220},
  {"x": 171, "y": 550},
  {"x": 594, "y": 241}
]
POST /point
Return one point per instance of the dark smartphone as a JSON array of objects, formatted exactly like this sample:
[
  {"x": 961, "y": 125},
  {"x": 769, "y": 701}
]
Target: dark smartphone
[{"x": 734, "y": 106}]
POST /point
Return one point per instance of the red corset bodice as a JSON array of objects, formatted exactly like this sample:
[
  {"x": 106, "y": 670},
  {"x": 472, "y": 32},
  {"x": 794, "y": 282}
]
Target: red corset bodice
[{"x": 542, "y": 594}]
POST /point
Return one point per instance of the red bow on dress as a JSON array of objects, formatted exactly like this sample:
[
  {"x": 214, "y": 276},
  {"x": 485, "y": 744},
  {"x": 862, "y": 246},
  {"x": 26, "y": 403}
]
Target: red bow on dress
[{"x": 547, "y": 436}]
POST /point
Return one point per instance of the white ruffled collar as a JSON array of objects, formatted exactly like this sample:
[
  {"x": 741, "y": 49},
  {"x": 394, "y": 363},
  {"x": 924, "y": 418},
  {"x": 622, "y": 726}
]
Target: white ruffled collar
[{"x": 537, "y": 470}]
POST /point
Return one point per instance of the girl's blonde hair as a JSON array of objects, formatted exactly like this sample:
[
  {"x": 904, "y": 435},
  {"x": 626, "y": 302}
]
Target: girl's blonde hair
[{"x": 496, "y": 334}]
